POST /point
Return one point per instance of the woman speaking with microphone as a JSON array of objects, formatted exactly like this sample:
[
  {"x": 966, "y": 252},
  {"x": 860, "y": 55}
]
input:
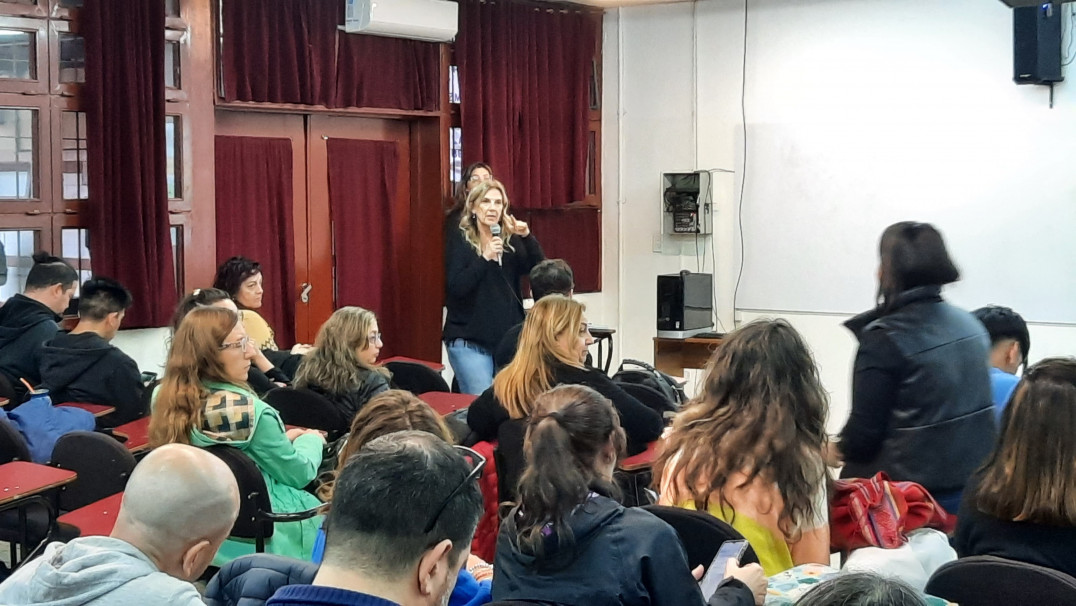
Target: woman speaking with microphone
[{"x": 484, "y": 260}]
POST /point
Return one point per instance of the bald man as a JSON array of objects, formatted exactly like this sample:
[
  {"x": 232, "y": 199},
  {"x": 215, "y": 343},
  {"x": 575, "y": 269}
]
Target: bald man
[{"x": 179, "y": 506}]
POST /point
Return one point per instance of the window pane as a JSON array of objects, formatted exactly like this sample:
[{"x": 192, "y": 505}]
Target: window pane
[
  {"x": 71, "y": 3},
  {"x": 453, "y": 84},
  {"x": 171, "y": 64},
  {"x": 18, "y": 171},
  {"x": 456, "y": 146},
  {"x": 171, "y": 8},
  {"x": 75, "y": 250},
  {"x": 17, "y": 248},
  {"x": 177, "y": 255},
  {"x": 592, "y": 163},
  {"x": 25, "y": 2},
  {"x": 173, "y": 145},
  {"x": 73, "y": 134},
  {"x": 595, "y": 90},
  {"x": 18, "y": 50},
  {"x": 72, "y": 58}
]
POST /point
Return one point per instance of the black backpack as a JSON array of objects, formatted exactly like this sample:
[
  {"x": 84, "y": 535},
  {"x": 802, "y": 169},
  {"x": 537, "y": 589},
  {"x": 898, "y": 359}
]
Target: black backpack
[{"x": 652, "y": 378}]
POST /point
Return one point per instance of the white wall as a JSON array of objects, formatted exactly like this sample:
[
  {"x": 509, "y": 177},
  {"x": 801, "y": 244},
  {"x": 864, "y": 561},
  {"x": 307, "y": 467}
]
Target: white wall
[{"x": 672, "y": 101}]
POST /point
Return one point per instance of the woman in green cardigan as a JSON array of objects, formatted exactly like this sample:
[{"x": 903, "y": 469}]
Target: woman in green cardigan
[{"x": 204, "y": 400}]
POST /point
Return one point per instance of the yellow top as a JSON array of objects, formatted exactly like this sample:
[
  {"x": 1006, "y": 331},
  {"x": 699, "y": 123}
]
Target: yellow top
[
  {"x": 258, "y": 329},
  {"x": 773, "y": 552}
]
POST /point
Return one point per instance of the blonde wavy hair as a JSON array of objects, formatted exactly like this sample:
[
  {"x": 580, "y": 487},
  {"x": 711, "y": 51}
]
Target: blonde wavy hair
[
  {"x": 334, "y": 364},
  {"x": 530, "y": 373},
  {"x": 193, "y": 359},
  {"x": 468, "y": 224}
]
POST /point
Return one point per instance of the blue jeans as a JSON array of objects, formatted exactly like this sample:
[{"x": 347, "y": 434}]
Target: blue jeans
[{"x": 472, "y": 365}]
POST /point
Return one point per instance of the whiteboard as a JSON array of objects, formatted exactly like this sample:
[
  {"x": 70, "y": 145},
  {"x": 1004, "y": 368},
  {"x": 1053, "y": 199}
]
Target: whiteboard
[{"x": 818, "y": 197}]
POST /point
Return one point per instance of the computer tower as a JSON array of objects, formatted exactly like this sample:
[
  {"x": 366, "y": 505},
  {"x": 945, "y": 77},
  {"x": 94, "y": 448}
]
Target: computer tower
[
  {"x": 685, "y": 304},
  {"x": 1036, "y": 34}
]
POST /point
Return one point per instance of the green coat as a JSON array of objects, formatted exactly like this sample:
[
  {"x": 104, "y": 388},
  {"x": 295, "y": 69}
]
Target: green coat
[{"x": 255, "y": 428}]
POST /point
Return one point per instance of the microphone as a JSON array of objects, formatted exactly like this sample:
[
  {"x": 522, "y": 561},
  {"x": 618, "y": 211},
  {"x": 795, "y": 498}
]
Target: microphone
[{"x": 495, "y": 231}]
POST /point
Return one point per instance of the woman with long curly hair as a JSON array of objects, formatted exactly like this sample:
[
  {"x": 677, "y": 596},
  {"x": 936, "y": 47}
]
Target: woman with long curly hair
[
  {"x": 484, "y": 261},
  {"x": 568, "y": 541},
  {"x": 343, "y": 364},
  {"x": 204, "y": 400},
  {"x": 748, "y": 449}
]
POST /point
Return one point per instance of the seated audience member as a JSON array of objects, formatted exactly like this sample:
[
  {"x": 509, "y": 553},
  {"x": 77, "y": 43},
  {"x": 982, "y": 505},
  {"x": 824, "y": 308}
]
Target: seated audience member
[
  {"x": 389, "y": 412},
  {"x": 568, "y": 541},
  {"x": 1009, "y": 345},
  {"x": 83, "y": 366},
  {"x": 1021, "y": 505},
  {"x": 862, "y": 589},
  {"x": 179, "y": 506},
  {"x": 263, "y": 375},
  {"x": 343, "y": 364},
  {"x": 30, "y": 319},
  {"x": 552, "y": 348},
  {"x": 748, "y": 449},
  {"x": 241, "y": 278},
  {"x": 405, "y": 507},
  {"x": 203, "y": 400},
  {"x": 552, "y": 276}
]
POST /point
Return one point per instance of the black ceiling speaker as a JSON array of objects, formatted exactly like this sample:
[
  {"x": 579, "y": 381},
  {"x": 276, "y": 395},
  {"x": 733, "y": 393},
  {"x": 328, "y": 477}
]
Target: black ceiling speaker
[{"x": 1036, "y": 34}]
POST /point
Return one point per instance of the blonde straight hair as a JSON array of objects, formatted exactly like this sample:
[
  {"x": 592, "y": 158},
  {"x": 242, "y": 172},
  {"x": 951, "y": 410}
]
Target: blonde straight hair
[{"x": 530, "y": 373}]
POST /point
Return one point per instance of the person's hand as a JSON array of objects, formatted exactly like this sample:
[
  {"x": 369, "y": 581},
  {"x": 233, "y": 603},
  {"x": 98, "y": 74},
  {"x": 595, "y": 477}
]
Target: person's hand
[
  {"x": 697, "y": 572},
  {"x": 831, "y": 453},
  {"x": 479, "y": 568},
  {"x": 301, "y": 349},
  {"x": 751, "y": 575},
  {"x": 517, "y": 227},
  {"x": 493, "y": 249},
  {"x": 295, "y": 432}
]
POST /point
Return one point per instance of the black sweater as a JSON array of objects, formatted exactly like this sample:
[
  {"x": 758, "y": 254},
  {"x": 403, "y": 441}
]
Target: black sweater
[
  {"x": 483, "y": 297},
  {"x": 25, "y": 325},
  {"x": 980, "y": 534},
  {"x": 641, "y": 423},
  {"x": 85, "y": 368}
]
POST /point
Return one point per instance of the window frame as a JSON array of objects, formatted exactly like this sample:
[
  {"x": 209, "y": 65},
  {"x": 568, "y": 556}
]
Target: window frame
[
  {"x": 40, "y": 84},
  {"x": 40, "y": 203}
]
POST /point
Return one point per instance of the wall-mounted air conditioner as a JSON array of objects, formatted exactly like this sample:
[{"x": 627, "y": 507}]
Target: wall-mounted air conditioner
[{"x": 429, "y": 20}]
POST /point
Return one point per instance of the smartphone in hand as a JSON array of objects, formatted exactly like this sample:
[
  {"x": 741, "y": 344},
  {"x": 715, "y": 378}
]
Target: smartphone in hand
[{"x": 715, "y": 573}]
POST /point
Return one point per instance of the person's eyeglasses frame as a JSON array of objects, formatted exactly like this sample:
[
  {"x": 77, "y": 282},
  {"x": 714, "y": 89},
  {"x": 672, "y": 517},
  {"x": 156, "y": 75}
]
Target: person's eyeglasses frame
[
  {"x": 241, "y": 344},
  {"x": 473, "y": 475}
]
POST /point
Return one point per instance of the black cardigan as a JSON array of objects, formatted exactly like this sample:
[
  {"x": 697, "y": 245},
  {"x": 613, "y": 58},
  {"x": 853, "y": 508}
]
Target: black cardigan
[
  {"x": 483, "y": 297},
  {"x": 641, "y": 423}
]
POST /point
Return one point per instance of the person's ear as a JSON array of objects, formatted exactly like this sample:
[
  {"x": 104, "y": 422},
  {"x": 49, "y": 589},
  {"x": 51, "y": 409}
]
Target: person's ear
[
  {"x": 1013, "y": 355},
  {"x": 433, "y": 568},
  {"x": 196, "y": 559}
]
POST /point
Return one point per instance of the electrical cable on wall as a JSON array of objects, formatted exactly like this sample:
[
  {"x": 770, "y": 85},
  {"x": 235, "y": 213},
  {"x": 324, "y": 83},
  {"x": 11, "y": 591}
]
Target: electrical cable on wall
[
  {"x": 1069, "y": 55},
  {"x": 743, "y": 171}
]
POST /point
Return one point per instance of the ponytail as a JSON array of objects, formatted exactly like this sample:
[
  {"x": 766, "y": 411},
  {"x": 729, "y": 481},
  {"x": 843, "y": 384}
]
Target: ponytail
[{"x": 570, "y": 429}]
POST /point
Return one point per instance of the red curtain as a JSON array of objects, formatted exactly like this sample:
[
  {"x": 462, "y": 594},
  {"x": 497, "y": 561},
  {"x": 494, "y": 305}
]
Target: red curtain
[
  {"x": 128, "y": 202},
  {"x": 254, "y": 194},
  {"x": 280, "y": 51},
  {"x": 362, "y": 188},
  {"x": 525, "y": 79},
  {"x": 374, "y": 71},
  {"x": 572, "y": 234},
  {"x": 291, "y": 51}
]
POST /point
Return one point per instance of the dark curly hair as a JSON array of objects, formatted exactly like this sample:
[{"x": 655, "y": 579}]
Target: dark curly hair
[{"x": 233, "y": 272}]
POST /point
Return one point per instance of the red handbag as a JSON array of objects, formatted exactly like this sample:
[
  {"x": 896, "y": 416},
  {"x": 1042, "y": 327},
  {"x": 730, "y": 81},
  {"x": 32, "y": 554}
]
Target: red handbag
[{"x": 879, "y": 512}]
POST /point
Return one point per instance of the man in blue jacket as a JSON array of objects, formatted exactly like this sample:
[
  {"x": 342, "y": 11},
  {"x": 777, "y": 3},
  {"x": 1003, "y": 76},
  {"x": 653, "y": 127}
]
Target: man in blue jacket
[{"x": 31, "y": 318}]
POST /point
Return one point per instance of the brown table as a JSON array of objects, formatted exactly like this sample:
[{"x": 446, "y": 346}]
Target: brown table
[
  {"x": 137, "y": 434},
  {"x": 97, "y": 410},
  {"x": 95, "y": 519},
  {"x": 20, "y": 479},
  {"x": 672, "y": 356},
  {"x": 643, "y": 460}
]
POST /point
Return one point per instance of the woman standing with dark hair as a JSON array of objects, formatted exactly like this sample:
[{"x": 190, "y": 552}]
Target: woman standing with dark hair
[
  {"x": 921, "y": 407},
  {"x": 484, "y": 261},
  {"x": 569, "y": 542},
  {"x": 1022, "y": 504},
  {"x": 472, "y": 176}
]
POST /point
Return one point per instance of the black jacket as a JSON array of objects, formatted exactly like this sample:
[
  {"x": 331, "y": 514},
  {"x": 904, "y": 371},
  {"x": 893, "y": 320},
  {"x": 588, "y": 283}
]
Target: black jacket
[
  {"x": 620, "y": 557},
  {"x": 351, "y": 403},
  {"x": 86, "y": 368},
  {"x": 483, "y": 297},
  {"x": 25, "y": 325},
  {"x": 641, "y": 423},
  {"x": 251, "y": 580},
  {"x": 921, "y": 406}
]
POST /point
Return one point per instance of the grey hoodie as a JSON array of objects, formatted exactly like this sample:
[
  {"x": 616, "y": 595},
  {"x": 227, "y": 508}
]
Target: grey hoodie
[{"x": 95, "y": 571}]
